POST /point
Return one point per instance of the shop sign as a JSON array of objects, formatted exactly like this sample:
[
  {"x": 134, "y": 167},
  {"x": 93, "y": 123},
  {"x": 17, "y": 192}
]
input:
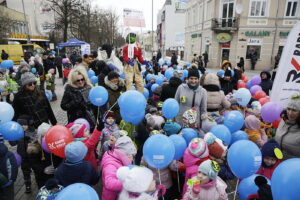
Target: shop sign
[
  {"x": 258, "y": 33},
  {"x": 224, "y": 37},
  {"x": 24, "y": 36},
  {"x": 254, "y": 41},
  {"x": 283, "y": 34}
]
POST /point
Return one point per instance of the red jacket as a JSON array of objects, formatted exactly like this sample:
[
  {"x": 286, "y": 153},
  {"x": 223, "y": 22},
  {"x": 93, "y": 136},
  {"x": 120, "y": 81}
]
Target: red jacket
[
  {"x": 137, "y": 54},
  {"x": 268, "y": 171},
  {"x": 91, "y": 143}
]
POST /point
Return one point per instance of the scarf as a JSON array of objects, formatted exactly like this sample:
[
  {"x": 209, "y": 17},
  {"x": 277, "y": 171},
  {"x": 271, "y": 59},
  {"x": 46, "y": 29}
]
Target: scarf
[
  {"x": 209, "y": 185},
  {"x": 211, "y": 88},
  {"x": 85, "y": 93},
  {"x": 131, "y": 50},
  {"x": 193, "y": 87}
]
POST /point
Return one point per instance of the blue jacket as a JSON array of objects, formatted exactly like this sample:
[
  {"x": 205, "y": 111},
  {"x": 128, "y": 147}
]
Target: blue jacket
[
  {"x": 8, "y": 165},
  {"x": 81, "y": 172}
]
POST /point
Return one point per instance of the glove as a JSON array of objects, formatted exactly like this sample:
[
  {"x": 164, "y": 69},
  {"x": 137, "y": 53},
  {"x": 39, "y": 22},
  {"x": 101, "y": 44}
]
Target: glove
[
  {"x": 49, "y": 170},
  {"x": 196, "y": 188},
  {"x": 131, "y": 62},
  {"x": 148, "y": 65},
  {"x": 161, "y": 190}
]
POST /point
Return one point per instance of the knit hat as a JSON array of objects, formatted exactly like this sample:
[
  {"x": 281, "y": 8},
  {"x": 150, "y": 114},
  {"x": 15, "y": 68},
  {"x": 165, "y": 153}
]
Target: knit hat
[
  {"x": 117, "y": 134},
  {"x": 77, "y": 130},
  {"x": 178, "y": 74},
  {"x": 27, "y": 78},
  {"x": 137, "y": 179},
  {"x": 1, "y": 138},
  {"x": 294, "y": 102},
  {"x": 271, "y": 149},
  {"x": 193, "y": 73},
  {"x": 190, "y": 115},
  {"x": 42, "y": 130},
  {"x": 252, "y": 122},
  {"x": 198, "y": 148},
  {"x": 210, "y": 168},
  {"x": 171, "y": 128},
  {"x": 75, "y": 151},
  {"x": 110, "y": 114},
  {"x": 215, "y": 146},
  {"x": 126, "y": 145},
  {"x": 154, "y": 121}
]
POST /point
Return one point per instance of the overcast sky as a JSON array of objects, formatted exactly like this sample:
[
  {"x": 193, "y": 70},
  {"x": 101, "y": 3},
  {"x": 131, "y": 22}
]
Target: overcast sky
[{"x": 144, "y": 5}]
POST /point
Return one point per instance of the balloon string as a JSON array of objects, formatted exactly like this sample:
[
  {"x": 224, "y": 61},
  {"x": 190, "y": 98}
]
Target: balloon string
[
  {"x": 51, "y": 159},
  {"x": 178, "y": 182},
  {"x": 235, "y": 191},
  {"x": 160, "y": 183},
  {"x": 98, "y": 110},
  {"x": 109, "y": 109}
]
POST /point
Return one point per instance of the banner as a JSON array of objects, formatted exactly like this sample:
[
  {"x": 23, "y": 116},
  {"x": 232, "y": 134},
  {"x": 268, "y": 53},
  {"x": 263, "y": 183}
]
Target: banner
[
  {"x": 133, "y": 18},
  {"x": 287, "y": 80}
]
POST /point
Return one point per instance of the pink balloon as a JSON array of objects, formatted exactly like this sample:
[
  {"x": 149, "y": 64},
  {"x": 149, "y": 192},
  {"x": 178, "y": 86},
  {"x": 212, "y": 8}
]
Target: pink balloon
[
  {"x": 254, "y": 89},
  {"x": 44, "y": 146},
  {"x": 83, "y": 121},
  {"x": 271, "y": 111}
]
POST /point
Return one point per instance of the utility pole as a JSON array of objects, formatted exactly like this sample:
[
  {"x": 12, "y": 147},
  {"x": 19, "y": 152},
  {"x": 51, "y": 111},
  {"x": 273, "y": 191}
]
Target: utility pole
[
  {"x": 27, "y": 24},
  {"x": 152, "y": 33}
]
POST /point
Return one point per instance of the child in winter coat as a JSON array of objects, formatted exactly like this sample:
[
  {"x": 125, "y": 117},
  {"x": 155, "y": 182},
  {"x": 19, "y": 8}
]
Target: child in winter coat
[
  {"x": 110, "y": 144},
  {"x": 195, "y": 154},
  {"x": 149, "y": 85},
  {"x": 256, "y": 135},
  {"x": 138, "y": 184},
  {"x": 80, "y": 132},
  {"x": 266, "y": 82},
  {"x": 226, "y": 82},
  {"x": 4, "y": 87},
  {"x": 206, "y": 184},
  {"x": 121, "y": 155},
  {"x": 110, "y": 126},
  {"x": 8, "y": 171},
  {"x": 50, "y": 83},
  {"x": 171, "y": 128},
  {"x": 75, "y": 169},
  {"x": 272, "y": 156},
  {"x": 50, "y": 190}
]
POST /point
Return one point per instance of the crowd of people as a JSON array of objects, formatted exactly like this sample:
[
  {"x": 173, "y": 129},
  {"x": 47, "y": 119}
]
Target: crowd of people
[{"x": 110, "y": 150}]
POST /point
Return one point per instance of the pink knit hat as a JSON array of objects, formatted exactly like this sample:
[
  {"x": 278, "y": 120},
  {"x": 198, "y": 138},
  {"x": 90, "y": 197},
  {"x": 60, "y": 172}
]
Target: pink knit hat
[
  {"x": 77, "y": 130},
  {"x": 198, "y": 148}
]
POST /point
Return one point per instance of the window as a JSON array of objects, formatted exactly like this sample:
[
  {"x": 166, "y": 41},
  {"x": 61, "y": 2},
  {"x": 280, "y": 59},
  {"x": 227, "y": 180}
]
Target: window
[
  {"x": 258, "y": 8},
  {"x": 291, "y": 8},
  {"x": 253, "y": 50}
]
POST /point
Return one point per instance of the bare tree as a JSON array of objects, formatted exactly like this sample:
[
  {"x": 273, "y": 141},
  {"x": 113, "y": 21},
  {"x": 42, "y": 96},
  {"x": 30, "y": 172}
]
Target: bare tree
[{"x": 5, "y": 27}]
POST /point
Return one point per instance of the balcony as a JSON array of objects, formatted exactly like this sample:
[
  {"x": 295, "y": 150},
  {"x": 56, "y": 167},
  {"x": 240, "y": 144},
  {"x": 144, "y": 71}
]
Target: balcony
[{"x": 225, "y": 24}]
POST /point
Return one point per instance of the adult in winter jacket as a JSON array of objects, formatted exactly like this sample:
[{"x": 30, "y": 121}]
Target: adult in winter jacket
[
  {"x": 103, "y": 72},
  {"x": 191, "y": 95},
  {"x": 266, "y": 82},
  {"x": 31, "y": 101},
  {"x": 24, "y": 67},
  {"x": 38, "y": 65},
  {"x": 237, "y": 76},
  {"x": 288, "y": 132},
  {"x": 115, "y": 86},
  {"x": 76, "y": 97},
  {"x": 215, "y": 96},
  {"x": 174, "y": 59},
  {"x": 226, "y": 82},
  {"x": 169, "y": 90},
  {"x": 50, "y": 63}
]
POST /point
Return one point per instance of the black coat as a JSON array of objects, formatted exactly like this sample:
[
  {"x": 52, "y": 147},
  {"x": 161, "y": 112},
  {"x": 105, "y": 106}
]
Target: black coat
[
  {"x": 266, "y": 84},
  {"x": 237, "y": 76},
  {"x": 82, "y": 172},
  {"x": 37, "y": 107},
  {"x": 226, "y": 86},
  {"x": 73, "y": 102},
  {"x": 49, "y": 64},
  {"x": 169, "y": 90},
  {"x": 8, "y": 163},
  {"x": 174, "y": 60}
]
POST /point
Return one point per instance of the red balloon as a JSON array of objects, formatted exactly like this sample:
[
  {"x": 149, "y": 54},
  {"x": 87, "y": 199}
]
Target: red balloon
[
  {"x": 276, "y": 123},
  {"x": 246, "y": 80},
  {"x": 264, "y": 100},
  {"x": 243, "y": 76},
  {"x": 259, "y": 94},
  {"x": 57, "y": 138},
  {"x": 241, "y": 84}
]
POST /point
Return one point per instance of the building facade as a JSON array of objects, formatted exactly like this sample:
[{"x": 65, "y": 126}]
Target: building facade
[
  {"x": 231, "y": 29},
  {"x": 170, "y": 29}
]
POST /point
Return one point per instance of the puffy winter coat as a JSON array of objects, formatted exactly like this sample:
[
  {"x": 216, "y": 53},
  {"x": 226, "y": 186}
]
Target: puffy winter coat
[
  {"x": 169, "y": 90},
  {"x": 8, "y": 165},
  {"x": 111, "y": 162},
  {"x": 91, "y": 144},
  {"x": 144, "y": 196},
  {"x": 266, "y": 84}
]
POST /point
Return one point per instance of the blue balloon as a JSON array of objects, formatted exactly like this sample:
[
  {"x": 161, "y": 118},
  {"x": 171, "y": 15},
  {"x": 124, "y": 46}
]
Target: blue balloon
[
  {"x": 168, "y": 63},
  {"x": 149, "y": 77},
  {"x": 242, "y": 96},
  {"x": 94, "y": 80},
  {"x": 91, "y": 73},
  {"x": 154, "y": 86},
  {"x": 7, "y": 112},
  {"x": 132, "y": 102},
  {"x": 169, "y": 73},
  {"x": 12, "y": 131},
  {"x": 6, "y": 64},
  {"x": 170, "y": 108},
  {"x": 48, "y": 95},
  {"x": 249, "y": 84},
  {"x": 53, "y": 52},
  {"x": 234, "y": 121},
  {"x": 161, "y": 62},
  {"x": 244, "y": 158},
  {"x": 158, "y": 151},
  {"x": 222, "y": 132},
  {"x": 189, "y": 134},
  {"x": 285, "y": 180},
  {"x": 239, "y": 135},
  {"x": 188, "y": 64},
  {"x": 33, "y": 70},
  {"x": 232, "y": 73},
  {"x": 247, "y": 187},
  {"x": 185, "y": 73},
  {"x": 123, "y": 77},
  {"x": 77, "y": 191},
  {"x": 146, "y": 93},
  {"x": 179, "y": 144},
  {"x": 134, "y": 119},
  {"x": 98, "y": 96},
  {"x": 159, "y": 80},
  {"x": 221, "y": 73}
]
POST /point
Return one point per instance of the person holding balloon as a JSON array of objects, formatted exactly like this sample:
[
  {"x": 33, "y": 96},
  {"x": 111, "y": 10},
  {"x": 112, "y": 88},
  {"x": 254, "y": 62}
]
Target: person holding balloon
[
  {"x": 8, "y": 171},
  {"x": 76, "y": 98},
  {"x": 206, "y": 184},
  {"x": 254, "y": 131},
  {"x": 4, "y": 87},
  {"x": 287, "y": 133},
  {"x": 31, "y": 101}
]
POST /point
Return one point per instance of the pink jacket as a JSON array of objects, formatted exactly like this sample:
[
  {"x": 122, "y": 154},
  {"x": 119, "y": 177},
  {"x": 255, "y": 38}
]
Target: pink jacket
[
  {"x": 214, "y": 190},
  {"x": 191, "y": 163},
  {"x": 111, "y": 162},
  {"x": 91, "y": 143}
]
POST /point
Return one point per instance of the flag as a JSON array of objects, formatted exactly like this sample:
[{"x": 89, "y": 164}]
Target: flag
[
  {"x": 133, "y": 18},
  {"x": 287, "y": 80}
]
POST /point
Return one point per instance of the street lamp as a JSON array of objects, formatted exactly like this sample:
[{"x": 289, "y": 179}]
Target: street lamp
[{"x": 27, "y": 27}]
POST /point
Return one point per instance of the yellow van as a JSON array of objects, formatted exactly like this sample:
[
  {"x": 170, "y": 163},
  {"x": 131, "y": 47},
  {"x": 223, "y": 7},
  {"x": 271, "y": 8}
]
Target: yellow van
[{"x": 16, "y": 51}]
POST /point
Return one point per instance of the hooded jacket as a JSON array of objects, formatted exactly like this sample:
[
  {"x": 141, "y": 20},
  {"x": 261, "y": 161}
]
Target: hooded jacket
[
  {"x": 169, "y": 90},
  {"x": 8, "y": 164},
  {"x": 266, "y": 84}
]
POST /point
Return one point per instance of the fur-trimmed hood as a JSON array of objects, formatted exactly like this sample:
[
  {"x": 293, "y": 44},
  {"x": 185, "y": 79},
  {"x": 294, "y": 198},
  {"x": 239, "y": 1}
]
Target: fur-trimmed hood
[
  {"x": 211, "y": 79},
  {"x": 112, "y": 86}
]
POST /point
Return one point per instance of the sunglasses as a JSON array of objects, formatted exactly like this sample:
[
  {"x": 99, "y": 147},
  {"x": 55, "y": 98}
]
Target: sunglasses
[
  {"x": 31, "y": 84},
  {"x": 80, "y": 80}
]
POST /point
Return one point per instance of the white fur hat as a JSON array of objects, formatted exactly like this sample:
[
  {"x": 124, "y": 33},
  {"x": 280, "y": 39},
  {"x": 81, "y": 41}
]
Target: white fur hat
[{"x": 136, "y": 179}]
